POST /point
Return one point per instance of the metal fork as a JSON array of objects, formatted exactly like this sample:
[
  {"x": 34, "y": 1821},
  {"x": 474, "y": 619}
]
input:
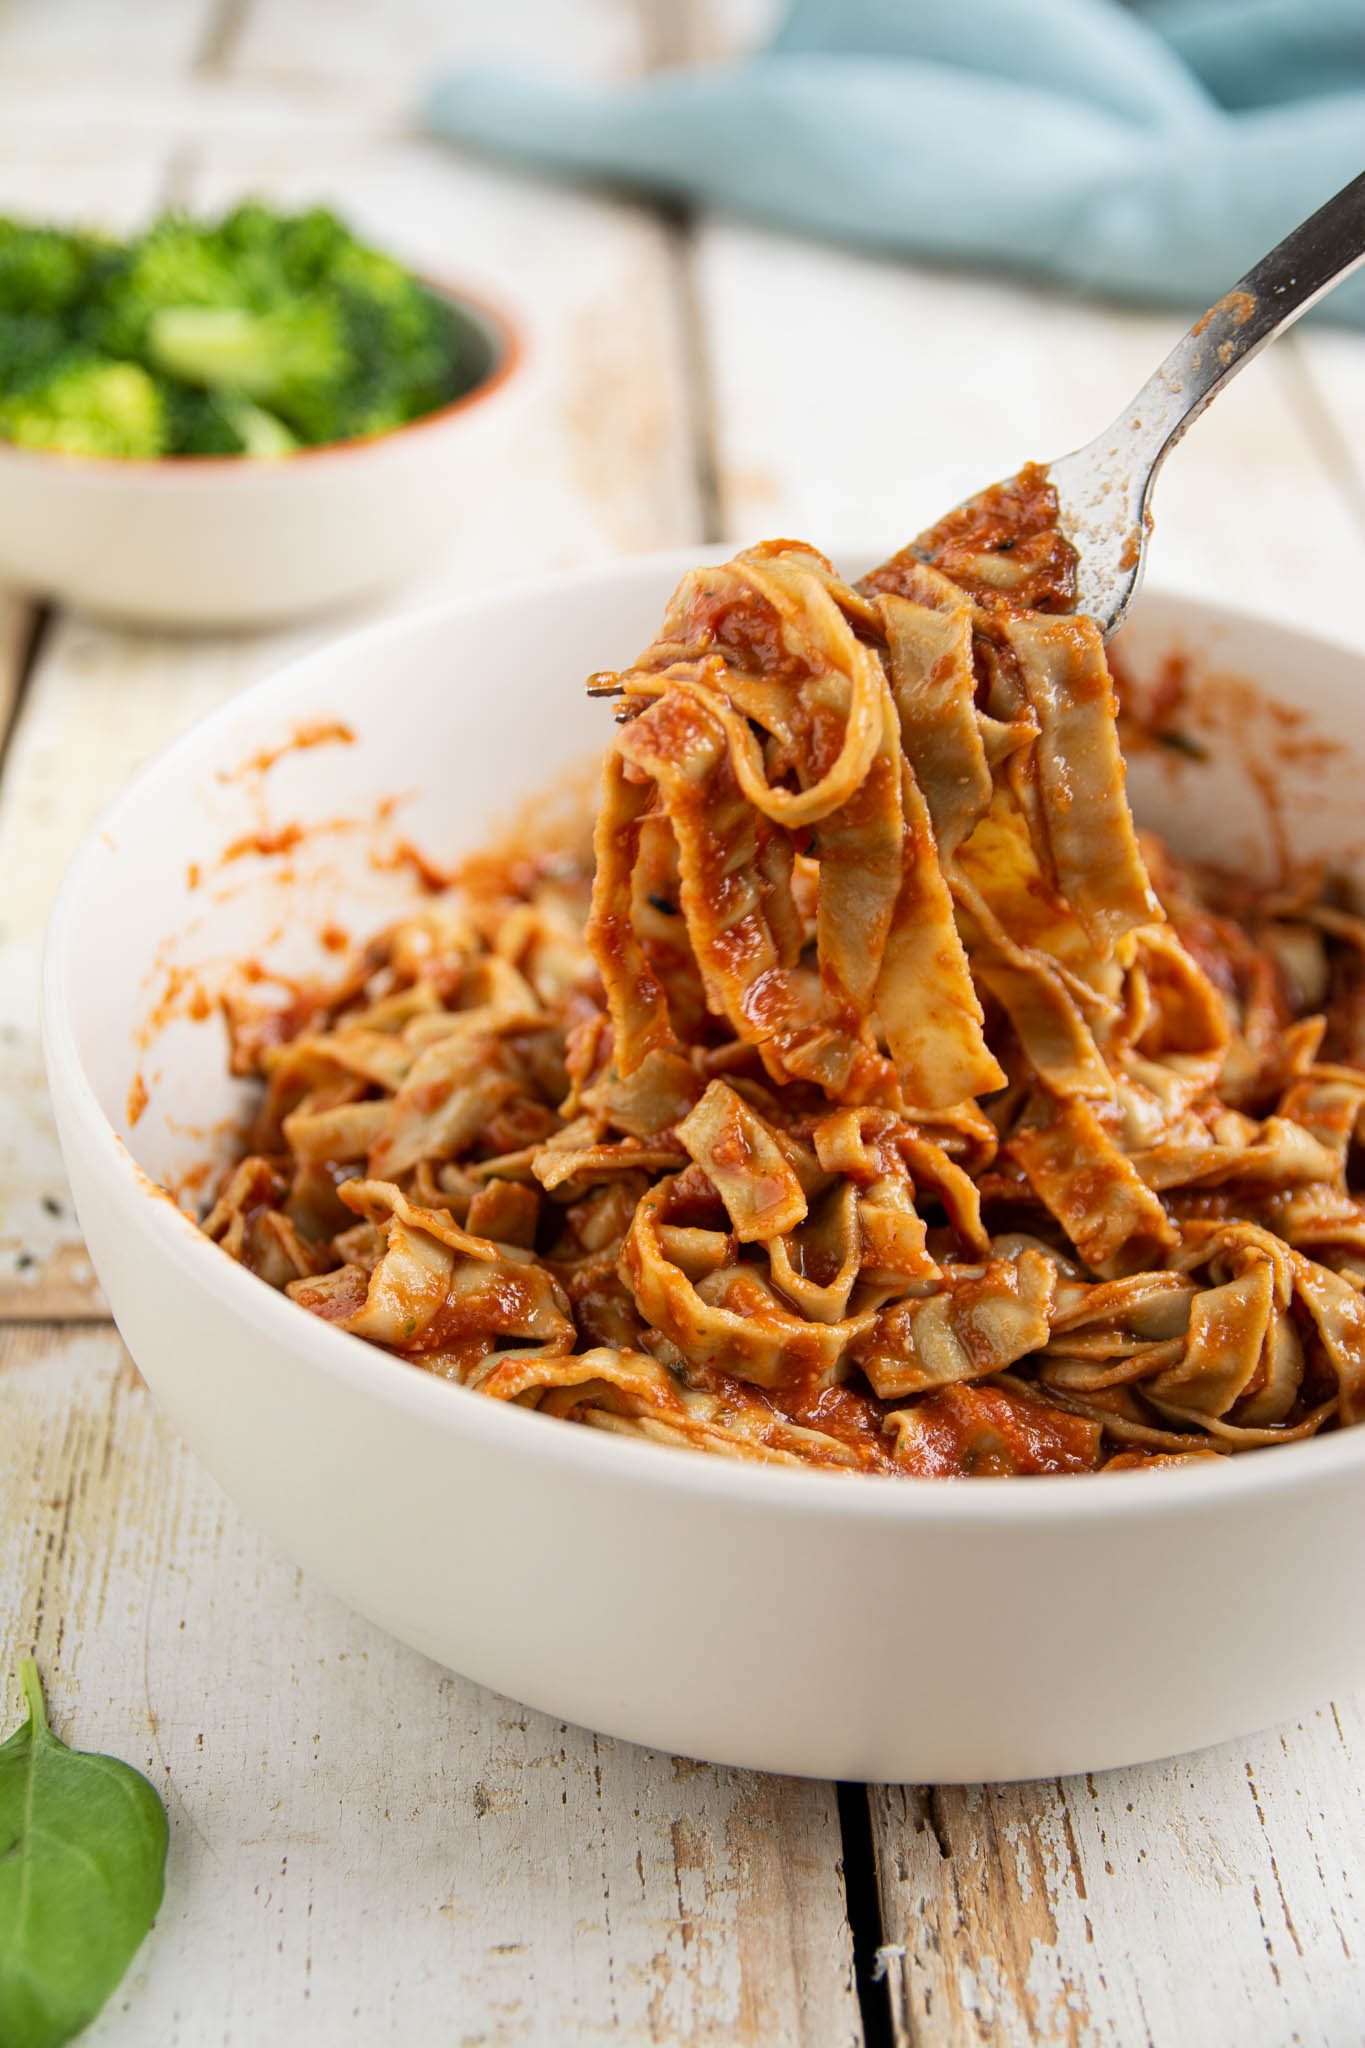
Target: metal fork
[{"x": 1104, "y": 490}]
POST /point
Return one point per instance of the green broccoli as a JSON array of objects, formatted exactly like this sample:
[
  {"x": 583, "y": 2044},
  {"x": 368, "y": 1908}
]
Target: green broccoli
[
  {"x": 296, "y": 252},
  {"x": 259, "y": 431},
  {"x": 87, "y": 405},
  {"x": 345, "y": 342},
  {"x": 44, "y": 271},
  {"x": 256, "y": 335},
  {"x": 196, "y": 423},
  {"x": 264, "y": 356},
  {"x": 201, "y": 424},
  {"x": 174, "y": 264},
  {"x": 30, "y": 343}
]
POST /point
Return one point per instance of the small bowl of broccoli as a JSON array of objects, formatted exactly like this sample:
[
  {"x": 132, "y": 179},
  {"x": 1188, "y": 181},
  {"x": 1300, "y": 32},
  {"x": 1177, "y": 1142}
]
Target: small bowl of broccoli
[{"x": 234, "y": 422}]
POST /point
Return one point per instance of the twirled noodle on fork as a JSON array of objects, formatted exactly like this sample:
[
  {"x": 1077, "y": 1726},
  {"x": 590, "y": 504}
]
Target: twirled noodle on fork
[{"x": 870, "y": 1094}]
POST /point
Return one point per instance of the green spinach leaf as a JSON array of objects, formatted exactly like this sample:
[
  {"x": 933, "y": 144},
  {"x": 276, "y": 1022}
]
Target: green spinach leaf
[{"x": 82, "y": 1868}]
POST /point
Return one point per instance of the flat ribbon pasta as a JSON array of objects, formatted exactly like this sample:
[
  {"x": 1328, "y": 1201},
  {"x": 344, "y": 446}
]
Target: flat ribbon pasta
[{"x": 869, "y": 1094}]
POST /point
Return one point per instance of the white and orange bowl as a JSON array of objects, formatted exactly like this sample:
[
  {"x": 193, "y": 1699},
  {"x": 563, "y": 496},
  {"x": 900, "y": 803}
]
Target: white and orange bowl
[
  {"x": 801, "y": 1621},
  {"x": 237, "y": 541}
]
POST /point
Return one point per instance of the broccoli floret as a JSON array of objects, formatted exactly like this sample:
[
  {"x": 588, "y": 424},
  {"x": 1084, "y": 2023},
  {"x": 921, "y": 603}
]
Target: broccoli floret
[
  {"x": 366, "y": 350},
  {"x": 174, "y": 264},
  {"x": 262, "y": 333},
  {"x": 30, "y": 343},
  {"x": 409, "y": 347},
  {"x": 260, "y": 432},
  {"x": 263, "y": 356},
  {"x": 196, "y": 423},
  {"x": 54, "y": 394},
  {"x": 405, "y": 347},
  {"x": 292, "y": 313},
  {"x": 87, "y": 405},
  {"x": 44, "y": 271},
  {"x": 291, "y": 252},
  {"x": 201, "y": 424}
]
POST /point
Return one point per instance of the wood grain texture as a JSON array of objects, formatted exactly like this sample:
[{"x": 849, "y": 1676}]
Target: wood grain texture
[
  {"x": 56, "y": 36},
  {"x": 1214, "y": 1899},
  {"x": 365, "y": 1847},
  {"x": 18, "y": 620},
  {"x": 1331, "y": 364},
  {"x": 72, "y": 178},
  {"x": 345, "y": 40}
]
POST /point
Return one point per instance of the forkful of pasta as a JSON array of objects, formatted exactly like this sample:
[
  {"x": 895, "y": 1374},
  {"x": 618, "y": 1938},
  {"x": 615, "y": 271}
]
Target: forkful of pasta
[{"x": 1099, "y": 497}]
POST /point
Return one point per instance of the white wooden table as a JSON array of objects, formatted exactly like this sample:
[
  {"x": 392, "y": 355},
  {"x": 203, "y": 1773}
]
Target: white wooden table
[{"x": 364, "y": 1848}]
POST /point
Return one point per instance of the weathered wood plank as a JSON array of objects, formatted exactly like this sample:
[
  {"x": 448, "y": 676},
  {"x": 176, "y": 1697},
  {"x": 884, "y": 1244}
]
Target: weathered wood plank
[
  {"x": 57, "y": 121},
  {"x": 714, "y": 31},
  {"x": 1208, "y": 1899},
  {"x": 68, "y": 178},
  {"x": 363, "y": 1845},
  {"x": 343, "y": 40},
  {"x": 57, "y": 36},
  {"x": 1331, "y": 362},
  {"x": 17, "y": 623}
]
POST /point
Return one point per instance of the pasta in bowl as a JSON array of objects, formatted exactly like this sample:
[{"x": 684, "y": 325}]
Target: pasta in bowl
[
  {"x": 866, "y": 1094},
  {"x": 746, "y": 1607}
]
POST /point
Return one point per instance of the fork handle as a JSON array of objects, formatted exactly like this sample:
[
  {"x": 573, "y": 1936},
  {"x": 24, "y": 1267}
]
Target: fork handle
[{"x": 1319, "y": 253}]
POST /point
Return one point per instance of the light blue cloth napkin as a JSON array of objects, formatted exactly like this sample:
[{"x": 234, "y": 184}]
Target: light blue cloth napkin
[{"x": 1152, "y": 151}]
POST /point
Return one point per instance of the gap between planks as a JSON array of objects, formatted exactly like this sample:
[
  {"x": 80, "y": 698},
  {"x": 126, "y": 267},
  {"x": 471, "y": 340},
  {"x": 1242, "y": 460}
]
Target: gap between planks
[
  {"x": 1205, "y": 1899},
  {"x": 361, "y": 1841},
  {"x": 222, "y": 33},
  {"x": 21, "y": 627}
]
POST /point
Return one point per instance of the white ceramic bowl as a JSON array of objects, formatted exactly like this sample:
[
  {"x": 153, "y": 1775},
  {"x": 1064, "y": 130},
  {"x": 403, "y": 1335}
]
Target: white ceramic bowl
[
  {"x": 212, "y": 541},
  {"x": 795, "y": 1621}
]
